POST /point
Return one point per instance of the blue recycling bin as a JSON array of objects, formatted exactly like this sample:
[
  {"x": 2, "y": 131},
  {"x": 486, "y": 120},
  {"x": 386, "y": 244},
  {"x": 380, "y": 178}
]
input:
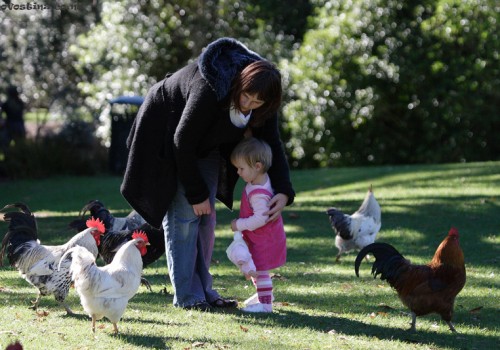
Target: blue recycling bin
[{"x": 123, "y": 112}]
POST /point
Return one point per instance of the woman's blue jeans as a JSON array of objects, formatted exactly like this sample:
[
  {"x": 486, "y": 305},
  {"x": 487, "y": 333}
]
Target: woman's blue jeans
[{"x": 189, "y": 241}]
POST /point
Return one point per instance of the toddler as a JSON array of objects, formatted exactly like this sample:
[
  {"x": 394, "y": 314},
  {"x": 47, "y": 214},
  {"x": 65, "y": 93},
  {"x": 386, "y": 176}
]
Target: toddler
[{"x": 266, "y": 240}]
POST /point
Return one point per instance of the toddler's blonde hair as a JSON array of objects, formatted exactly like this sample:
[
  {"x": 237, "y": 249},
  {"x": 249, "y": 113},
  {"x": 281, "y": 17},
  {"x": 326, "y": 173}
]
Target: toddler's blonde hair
[{"x": 253, "y": 150}]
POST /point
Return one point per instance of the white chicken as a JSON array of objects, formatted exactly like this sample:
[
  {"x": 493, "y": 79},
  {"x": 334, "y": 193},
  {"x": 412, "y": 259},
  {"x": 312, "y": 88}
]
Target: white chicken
[
  {"x": 38, "y": 263},
  {"x": 105, "y": 291},
  {"x": 358, "y": 230}
]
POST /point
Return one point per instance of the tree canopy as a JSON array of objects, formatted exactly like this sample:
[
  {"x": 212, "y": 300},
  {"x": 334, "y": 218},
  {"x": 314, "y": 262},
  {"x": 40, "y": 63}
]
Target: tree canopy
[
  {"x": 382, "y": 81},
  {"x": 365, "y": 81}
]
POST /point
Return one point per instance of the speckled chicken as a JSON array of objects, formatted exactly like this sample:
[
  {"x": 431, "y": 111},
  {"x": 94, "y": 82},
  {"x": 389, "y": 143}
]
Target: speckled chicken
[
  {"x": 358, "y": 230},
  {"x": 37, "y": 263}
]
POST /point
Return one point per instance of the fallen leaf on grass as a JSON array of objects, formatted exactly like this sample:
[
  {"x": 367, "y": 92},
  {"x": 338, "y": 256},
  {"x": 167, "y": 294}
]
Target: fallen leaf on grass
[
  {"x": 42, "y": 313},
  {"x": 385, "y": 306},
  {"x": 476, "y": 310},
  {"x": 282, "y": 303},
  {"x": 414, "y": 341},
  {"x": 293, "y": 215},
  {"x": 278, "y": 277},
  {"x": 244, "y": 329},
  {"x": 346, "y": 286},
  {"x": 197, "y": 344},
  {"x": 60, "y": 334},
  {"x": 8, "y": 332}
]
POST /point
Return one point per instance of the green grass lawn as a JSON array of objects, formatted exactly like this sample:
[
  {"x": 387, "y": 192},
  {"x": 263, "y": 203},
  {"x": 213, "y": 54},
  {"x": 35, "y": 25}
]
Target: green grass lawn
[{"x": 320, "y": 304}]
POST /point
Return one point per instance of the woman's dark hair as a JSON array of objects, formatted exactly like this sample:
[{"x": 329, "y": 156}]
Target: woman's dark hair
[{"x": 261, "y": 78}]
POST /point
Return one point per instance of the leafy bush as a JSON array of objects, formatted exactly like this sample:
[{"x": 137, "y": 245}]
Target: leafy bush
[{"x": 387, "y": 82}]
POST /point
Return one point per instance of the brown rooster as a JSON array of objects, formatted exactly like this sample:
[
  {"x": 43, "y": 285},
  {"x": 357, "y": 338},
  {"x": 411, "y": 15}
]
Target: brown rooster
[{"x": 424, "y": 289}]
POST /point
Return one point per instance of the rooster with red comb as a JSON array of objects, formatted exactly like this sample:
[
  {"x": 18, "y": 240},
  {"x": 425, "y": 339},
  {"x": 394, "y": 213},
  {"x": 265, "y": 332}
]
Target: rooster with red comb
[
  {"x": 105, "y": 291},
  {"x": 119, "y": 231},
  {"x": 424, "y": 289}
]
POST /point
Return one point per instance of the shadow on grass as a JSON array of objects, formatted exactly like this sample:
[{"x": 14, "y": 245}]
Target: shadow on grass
[
  {"x": 153, "y": 342},
  {"x": 78, "y": 315},
  {"x": 339, "y": 326}
]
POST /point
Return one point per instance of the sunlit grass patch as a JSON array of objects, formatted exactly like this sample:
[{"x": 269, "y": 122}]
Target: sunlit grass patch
[{"x": 319, "y": 304}]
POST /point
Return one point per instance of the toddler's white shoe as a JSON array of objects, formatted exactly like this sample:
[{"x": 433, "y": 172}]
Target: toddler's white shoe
[
  {"x": 254, "y": 299},
  {"x": 258, "y": 307}
]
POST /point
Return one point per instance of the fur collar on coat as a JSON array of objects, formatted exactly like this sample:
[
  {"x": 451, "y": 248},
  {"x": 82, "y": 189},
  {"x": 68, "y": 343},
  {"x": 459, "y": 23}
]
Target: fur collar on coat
[{"x": 221, "y": 61}]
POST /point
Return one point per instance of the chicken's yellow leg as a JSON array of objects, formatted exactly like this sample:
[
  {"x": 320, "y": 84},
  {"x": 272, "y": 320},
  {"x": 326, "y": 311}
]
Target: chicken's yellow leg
[{"x": 35, "y": 303}]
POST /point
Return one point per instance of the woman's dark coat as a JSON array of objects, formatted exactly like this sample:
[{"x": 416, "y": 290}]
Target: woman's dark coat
[{"x": 183, "y": 118}]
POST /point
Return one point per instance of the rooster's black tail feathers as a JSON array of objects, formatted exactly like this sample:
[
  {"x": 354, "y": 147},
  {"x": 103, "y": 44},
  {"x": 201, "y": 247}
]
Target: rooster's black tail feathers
[
  {"x": 22, "y": 228},
  {"x": 389, "y": 263},
  {"x": 98, "y": 211}
]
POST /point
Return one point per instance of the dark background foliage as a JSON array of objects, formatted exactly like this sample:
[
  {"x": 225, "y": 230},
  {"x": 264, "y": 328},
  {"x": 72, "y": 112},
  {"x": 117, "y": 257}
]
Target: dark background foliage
[{"x": 366, "y": 81}]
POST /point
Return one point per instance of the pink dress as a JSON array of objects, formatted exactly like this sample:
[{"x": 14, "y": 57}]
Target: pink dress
[{"x": 267, "y": 243}]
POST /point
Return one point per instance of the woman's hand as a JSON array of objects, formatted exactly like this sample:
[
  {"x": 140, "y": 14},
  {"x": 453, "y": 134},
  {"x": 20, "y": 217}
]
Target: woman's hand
[
  {"x": 276, "y": 205},
  {"x": 202, "y": 208}
]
